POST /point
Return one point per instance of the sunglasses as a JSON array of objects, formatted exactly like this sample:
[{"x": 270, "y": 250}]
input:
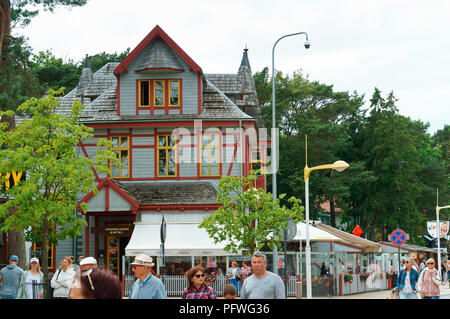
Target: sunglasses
[
  {"x": 87, "y": 273},
  {"x": 202, "y": 275},
  {"x": 430, "y": 263}
]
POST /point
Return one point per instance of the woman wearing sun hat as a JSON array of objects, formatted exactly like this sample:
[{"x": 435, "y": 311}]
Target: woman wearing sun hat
[{"x": 28, "y": 290}]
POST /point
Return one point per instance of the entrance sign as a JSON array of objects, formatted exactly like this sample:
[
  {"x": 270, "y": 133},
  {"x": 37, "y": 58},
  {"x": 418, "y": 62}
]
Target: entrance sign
[
  {"x": 398, "y": 237},
  {"x": 118, "y": 229}
]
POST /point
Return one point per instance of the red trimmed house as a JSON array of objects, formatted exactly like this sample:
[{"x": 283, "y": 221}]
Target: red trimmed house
[{"x": 176, "y": 131}]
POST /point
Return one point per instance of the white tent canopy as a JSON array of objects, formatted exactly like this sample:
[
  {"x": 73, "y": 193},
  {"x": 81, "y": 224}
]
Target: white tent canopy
[
  {"x": 182, "y": 239},
  {"x": 367, "y": 245},
  {"x": 315, "y": 234}
]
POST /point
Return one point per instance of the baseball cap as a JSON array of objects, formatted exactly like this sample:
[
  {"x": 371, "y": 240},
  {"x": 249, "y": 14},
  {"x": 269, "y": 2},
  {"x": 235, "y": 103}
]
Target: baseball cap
[
  {"x": 14, "y": 258},
  {"x": 34, "y": 259}
]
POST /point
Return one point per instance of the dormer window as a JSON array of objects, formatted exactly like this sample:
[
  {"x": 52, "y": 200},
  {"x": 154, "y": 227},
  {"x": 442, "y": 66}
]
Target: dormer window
[{"x": 159, "y": 93}]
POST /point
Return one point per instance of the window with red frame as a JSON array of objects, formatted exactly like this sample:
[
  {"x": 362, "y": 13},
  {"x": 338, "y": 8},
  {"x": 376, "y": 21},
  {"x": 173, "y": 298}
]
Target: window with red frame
[{"x": 159, "y": 93}]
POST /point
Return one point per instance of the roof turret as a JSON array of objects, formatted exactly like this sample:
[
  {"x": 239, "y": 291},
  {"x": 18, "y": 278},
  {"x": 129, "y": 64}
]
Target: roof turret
[{"x": 85, "y": 79}]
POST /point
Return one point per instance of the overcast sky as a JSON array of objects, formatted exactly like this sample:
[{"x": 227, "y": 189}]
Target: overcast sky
[{"x": 395, "y": 45}]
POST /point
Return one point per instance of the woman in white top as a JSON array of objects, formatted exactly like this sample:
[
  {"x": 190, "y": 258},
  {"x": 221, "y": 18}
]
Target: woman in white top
[
  {"x": 63, "y": 279},
  {"x": 31, "y": 283}
]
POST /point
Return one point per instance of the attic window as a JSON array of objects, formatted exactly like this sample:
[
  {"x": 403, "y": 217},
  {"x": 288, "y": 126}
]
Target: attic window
[{"x": 159, "y": 93}]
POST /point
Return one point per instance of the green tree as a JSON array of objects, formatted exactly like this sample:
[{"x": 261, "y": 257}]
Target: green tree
[
  {"x": 399, "y": 152},
  {"x": 17, "y": 83},
  {"x": 54, "y": 73},
  {"x": 248, "y": 215},
  {"x": 100, "y": 59},
  {"x": 44, "y": 147},
  {"x": 309, "y": 108}
]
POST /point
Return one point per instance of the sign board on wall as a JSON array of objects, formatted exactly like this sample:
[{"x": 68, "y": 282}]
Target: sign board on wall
[{"x": 118, "y": 229}]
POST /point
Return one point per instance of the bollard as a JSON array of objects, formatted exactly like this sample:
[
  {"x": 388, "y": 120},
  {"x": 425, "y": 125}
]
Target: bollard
[{"x": 298, "y": 290}]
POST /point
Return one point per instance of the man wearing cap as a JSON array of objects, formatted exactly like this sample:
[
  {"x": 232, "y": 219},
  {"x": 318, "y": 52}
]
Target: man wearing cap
[
  {"x": 10, "y": 278},
  {"x": 146, "y": 286},
  {"x": 87, "y": 263}
]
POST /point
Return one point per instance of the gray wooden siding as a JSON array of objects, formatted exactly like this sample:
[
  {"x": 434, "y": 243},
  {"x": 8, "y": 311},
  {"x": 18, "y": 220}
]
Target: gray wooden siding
[
  {"x": 143, "y": 159},
  {"x": 143, "y": 163},
  {"x": 128, "y": 86},
  {"x": 119, "y": 130},
  {"x": 92, "y": 237},
  {"x": 97, "y": 203},
  {"x": 143, "y": 130},
  {"x": 64, "y": 249},
  {"x": 117, "y": 202}
]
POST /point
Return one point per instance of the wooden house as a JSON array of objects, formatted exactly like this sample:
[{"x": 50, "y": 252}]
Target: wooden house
[{"x": 176, "y": 130}]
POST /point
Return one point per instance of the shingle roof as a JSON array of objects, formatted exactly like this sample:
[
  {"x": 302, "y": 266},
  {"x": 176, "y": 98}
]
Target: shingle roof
[
  {"x": 170, "y": 193},
  {"x": 102, "y": 80},
  {"x": 159, "y": 56},
  {"x": 228, "y": 83},
  {"x": 98, "y": 93}
]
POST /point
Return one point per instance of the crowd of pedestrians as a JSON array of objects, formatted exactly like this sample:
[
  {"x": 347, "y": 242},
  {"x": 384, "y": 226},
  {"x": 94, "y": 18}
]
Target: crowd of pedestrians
[
  {"x": 88, "y": 281},
  {"x": 411, "y": 284}
]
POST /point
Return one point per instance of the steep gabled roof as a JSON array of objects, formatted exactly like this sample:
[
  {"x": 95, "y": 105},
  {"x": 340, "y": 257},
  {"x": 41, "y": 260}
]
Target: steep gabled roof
[{"x": 157, "y": 32}]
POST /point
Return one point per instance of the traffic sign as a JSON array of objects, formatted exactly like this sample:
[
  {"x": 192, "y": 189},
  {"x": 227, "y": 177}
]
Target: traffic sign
[{"x": 398, "y": 237}]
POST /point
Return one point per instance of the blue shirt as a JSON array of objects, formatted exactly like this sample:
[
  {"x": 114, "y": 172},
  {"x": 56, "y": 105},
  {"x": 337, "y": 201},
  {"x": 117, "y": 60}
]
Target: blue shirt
[
  {"x": 11, "y": 275},
  {"x": 413, "y": 277},
  {"x": 150, "y": 288}
]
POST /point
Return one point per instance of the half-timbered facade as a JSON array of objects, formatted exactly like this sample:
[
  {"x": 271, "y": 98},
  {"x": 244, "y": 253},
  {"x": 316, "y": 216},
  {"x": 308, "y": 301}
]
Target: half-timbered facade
[{"x": 176, "y": 131}]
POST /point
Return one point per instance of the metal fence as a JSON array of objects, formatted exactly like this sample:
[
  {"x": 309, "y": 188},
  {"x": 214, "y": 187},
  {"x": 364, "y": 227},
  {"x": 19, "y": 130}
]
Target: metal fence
[
  {"x": 175, "y": 284},
  {"x": 377, "y": 281}
]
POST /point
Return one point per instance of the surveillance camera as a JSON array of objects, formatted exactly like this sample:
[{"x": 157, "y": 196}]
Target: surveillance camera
[{"x": 307, "y": 44}]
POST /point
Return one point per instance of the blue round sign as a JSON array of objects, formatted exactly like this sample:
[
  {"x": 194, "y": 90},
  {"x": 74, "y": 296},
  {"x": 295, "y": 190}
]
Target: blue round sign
[{"x": 398, "y": 237}]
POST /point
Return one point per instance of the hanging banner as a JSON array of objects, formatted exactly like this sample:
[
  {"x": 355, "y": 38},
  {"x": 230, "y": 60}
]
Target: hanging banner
[{"x": 431, "y": 228}]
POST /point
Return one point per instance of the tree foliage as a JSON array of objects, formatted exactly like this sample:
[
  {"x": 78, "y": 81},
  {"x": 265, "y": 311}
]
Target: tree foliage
[
  {"x": 395, "y": 165},
  {"x": 44, "y": 147},
  {"x": 249, "y": 216}
]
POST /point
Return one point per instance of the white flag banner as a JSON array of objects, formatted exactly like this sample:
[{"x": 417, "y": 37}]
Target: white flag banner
[{"x": 431, "y": 227}]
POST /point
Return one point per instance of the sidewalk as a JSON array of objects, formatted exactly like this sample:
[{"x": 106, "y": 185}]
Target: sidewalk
[{"x": 381, "y": 294}]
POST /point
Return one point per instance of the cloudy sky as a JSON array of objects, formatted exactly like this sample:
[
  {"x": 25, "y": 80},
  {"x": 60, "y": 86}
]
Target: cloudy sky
[{"x": 395, "y": 45}]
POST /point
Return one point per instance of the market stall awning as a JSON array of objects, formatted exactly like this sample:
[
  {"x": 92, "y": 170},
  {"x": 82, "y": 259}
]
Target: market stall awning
[
  {"x": 315, "y": 234},
  {"x": 183, "y": 239},
  {"x": 367, "y": 245}
]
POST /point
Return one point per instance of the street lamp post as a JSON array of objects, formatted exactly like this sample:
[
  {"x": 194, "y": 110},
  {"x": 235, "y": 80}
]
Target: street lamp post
[
  {"x": 438, "y": 231},
  {"x": 274, "y": 144},
  {"x": 338, "y": 166}
]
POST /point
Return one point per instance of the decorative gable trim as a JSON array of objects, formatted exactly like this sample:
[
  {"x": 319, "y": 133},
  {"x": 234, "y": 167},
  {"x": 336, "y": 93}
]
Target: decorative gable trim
[
  {"x": 157, "y": 32},
  {"x": 107, "y": 183}
]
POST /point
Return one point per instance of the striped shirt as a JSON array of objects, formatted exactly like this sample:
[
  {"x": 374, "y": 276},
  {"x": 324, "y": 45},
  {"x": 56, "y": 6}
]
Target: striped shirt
[{"x": 245, "y": 272}]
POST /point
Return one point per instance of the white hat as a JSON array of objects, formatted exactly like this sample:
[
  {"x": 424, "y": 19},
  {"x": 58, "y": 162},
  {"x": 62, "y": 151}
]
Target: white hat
[
  {"x": 34, "y": 259},
  {"x": 88, "y": 261},
  {"x": 143, "y": 260}
]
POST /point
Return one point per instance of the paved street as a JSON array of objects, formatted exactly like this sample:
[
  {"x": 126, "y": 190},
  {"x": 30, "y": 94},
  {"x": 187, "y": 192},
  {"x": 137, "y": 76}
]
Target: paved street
[{"x": 383, "y": 294}]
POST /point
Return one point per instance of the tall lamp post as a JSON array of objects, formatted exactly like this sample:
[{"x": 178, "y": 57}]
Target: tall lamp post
[
  {"x": 338, "y": 166},
  {"x": 274, "y": 142},
  {"x": 438, "y": 230}
]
